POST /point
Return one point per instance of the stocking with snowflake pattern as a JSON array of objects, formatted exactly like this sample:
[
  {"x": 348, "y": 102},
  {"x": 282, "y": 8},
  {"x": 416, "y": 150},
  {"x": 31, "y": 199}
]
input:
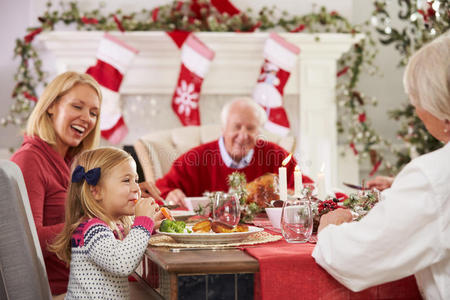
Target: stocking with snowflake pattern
[
  {"x": 195, "y": 60},
  {"x": 280, "y": 58},
  {"x": 113, "y": 59}
]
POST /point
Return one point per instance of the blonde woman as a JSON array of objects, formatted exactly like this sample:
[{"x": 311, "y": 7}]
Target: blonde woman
[
  {"x": 64, "y": 122},
  {"x": 409, "y": 231},
  {"x": 98, "y": 240}
]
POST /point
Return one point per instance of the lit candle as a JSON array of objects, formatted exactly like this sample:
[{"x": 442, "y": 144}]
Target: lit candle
[
  {"x": 282, "y": 179},
  {"x": 321, "y": 190},
  {"x": 298, "y": 181}
]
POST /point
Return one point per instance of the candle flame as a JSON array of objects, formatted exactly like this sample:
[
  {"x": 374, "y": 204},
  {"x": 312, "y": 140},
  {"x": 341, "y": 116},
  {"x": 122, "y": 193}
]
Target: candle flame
[
  {"x": 297, "y": 168},
  {"x": 286, "y": 160}
]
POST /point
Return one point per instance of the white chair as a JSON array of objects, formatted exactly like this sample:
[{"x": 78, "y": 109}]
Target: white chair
[
  {"x": 22, "y": 269},
  {"x": 157, "y": 151}
]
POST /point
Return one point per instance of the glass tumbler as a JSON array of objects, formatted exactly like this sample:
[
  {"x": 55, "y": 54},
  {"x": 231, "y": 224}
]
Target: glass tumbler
[
  {"x": 296, "y": 220},
  {"x": 226, "y": 208}
]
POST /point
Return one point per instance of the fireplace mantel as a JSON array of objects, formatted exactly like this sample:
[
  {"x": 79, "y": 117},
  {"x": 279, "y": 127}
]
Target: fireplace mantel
[{"x": 233, "y": 72}]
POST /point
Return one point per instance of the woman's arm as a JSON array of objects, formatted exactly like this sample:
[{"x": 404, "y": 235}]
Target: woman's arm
[
  {"x": 35, "y": 181},
  {"x": 400, "y": 236}
]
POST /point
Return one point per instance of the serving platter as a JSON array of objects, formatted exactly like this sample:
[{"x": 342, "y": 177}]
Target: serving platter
[{"x": 211, "y": 238}]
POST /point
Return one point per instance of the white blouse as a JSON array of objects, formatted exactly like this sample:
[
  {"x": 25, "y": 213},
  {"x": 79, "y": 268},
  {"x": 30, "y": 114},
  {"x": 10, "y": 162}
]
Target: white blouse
[{"x": 407, "y": 233}]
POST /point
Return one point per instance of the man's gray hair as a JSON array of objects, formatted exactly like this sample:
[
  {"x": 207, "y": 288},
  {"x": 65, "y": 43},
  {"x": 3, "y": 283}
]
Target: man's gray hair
[{"x": 257, "y": 109}]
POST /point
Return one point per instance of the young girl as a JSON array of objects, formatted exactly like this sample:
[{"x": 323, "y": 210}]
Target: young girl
[{"x": 99, "y": 241}]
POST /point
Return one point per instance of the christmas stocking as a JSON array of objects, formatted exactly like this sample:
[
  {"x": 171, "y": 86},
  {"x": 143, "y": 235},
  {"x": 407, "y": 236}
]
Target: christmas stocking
[
  {"x": 195, "y": 60},
  {"x": 280, "y": 57},
  {"x": 113, "y": 59}
]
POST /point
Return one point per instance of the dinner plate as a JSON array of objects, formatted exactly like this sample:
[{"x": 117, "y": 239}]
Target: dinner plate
[
  {"x": 210, "y": 238},
  {"x": 182, "y": 215}
]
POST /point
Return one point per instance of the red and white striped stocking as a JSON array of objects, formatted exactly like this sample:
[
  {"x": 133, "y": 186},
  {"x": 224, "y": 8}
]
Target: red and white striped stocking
[
  {"x": 113, "y": 60},
  {"x": 280, "y": 58},
  {"x": 195, "y": 60}
]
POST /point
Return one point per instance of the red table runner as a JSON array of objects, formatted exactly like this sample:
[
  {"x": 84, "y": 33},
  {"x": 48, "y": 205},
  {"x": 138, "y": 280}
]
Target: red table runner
[{"x": 288, "y": 271}]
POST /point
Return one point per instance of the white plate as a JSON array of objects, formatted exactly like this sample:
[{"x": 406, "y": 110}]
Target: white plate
[
  {"x": 181, "y": 215},
  {"x": 212, "y": 237}
]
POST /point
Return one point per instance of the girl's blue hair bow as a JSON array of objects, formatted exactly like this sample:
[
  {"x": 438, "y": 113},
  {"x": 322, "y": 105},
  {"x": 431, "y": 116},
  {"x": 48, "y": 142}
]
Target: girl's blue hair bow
[{"x": 92, "y": 176}]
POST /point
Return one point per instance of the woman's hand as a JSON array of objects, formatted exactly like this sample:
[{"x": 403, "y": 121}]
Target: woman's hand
[
  {"x": 380, "y": 183},
  {"x": 149, "y": 189},
  {"x": 336, "y": 217}
]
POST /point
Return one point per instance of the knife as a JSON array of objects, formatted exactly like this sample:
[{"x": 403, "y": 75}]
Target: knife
[
  {"x": 170, "y": 206},
  {"x": 354, "y": 186},
  {"x": 176, "y": 250}
]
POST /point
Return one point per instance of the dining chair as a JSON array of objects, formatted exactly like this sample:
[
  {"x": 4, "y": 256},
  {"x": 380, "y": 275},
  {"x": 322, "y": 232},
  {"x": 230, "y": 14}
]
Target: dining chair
[{"x": 22, "y": 269}]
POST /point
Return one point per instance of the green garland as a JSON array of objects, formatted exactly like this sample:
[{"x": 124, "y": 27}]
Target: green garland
[
  {"x": 421, "y": 25},
  {"x": 201, "y": 16}
]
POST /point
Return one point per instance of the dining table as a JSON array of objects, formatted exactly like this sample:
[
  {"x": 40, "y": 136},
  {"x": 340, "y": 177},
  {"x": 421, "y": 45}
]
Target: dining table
[{"x": 275, "y": 270}]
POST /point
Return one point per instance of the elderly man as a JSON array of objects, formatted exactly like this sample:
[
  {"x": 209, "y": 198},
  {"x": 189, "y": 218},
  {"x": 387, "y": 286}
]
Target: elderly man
[{"x": 240, "y": 148}]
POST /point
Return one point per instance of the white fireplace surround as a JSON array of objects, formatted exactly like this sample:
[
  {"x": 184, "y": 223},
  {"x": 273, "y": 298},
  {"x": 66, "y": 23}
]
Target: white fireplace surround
[{"x": 233, "y": 72}]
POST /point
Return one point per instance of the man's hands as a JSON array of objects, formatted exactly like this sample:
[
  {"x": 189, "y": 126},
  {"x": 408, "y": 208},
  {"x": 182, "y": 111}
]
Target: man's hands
[
  {"x": 380, "y": 183},
  {"x": 336, "y": 217},
  {"x": 149, "y": 189},
  {"x": 176, "y": 196}
]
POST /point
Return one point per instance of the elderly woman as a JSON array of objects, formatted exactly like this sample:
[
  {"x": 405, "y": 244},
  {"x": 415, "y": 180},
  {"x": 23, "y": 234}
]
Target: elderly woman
[
  {"x": 64, "y": 122},
  {"x": 409, "y": 231}
]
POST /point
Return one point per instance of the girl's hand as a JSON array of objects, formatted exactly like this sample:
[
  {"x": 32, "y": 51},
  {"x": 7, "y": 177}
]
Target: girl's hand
[
  {"x": 159, "y": 217},
  {"x": 146, "y": 207}
]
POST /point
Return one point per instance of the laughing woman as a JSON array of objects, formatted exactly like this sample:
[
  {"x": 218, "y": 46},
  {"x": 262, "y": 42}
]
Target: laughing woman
[{"x": 64, "y": 123}]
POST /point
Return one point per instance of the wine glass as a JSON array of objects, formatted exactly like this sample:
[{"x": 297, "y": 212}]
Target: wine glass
[
  {"x": 226, "y": 208},
  {"x": 296, "y": 220}
]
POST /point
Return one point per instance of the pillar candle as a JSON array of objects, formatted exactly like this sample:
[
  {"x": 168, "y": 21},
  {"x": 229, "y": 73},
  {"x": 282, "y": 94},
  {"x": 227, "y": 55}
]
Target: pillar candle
[
  {"x": 298, "y": 181},
  {"x": 321, "y": 190},
  {"x": 282, "y": 181}
]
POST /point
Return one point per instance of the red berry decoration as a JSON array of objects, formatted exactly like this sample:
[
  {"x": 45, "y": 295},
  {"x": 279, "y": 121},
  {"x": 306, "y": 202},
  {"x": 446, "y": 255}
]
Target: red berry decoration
[{"x": 327, "y": 206}]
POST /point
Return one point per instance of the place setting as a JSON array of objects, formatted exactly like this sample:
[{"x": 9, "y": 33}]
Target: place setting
[
  {"x": 221, "y": 230},
  {"x": 259, "y": 212}
]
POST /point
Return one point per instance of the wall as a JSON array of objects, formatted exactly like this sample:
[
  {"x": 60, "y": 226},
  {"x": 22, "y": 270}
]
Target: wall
[
  {"x": 16, "y": 16},
  {"x": 387, "y": 85},
  {"x": 14, "y": 19}
]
